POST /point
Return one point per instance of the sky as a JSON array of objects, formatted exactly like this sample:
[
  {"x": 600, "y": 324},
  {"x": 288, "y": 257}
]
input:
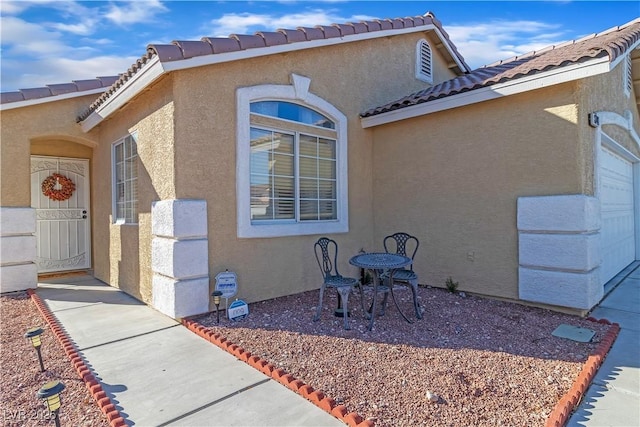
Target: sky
[{"x": 55, "y": 41}]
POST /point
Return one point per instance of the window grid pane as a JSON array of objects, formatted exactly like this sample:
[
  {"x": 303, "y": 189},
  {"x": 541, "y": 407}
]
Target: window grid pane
[
  {"x": 292, "y": 175},
  {"x": 126, "y": 180},
  {"x": 272, "y": 176}
]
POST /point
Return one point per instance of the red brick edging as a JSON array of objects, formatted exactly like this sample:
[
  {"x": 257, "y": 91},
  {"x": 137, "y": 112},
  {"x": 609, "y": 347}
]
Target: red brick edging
[
  {"x": 557, "y": 418},
  {"x": 105, "y": 404},
  {"x": 560, "y": 414},
  {"x": 316, "y": 397}
]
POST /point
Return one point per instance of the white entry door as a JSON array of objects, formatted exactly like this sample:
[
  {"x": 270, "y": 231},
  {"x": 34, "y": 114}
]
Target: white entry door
[
  {"x": 617, "y": 208},
  {"x": 60, "y": 195}
]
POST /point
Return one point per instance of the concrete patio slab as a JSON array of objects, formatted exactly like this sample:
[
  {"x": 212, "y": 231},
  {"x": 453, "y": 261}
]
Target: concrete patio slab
[
  {"x": 157, "y": 372},
  {"x": 626, "y": 319},
  {"x": 621, "y": 368},
  {"x": 601, "y": 407}
]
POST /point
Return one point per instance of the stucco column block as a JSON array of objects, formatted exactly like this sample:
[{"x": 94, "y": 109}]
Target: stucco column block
[
  {"x": 573, "y": 213},
  {"x": 561, "y": 288},
  {"x": 180, "y": 298},
  {"x": 18, "y": 277},
  {"x": 179, "y": 219},
  {"x": 580, "y": 252},
  {"x": 181, "y": 259},
  {"x": 17, "y": 221},
  {"x": 559, "y": 250},
  {"x": 18, "y": 249}
]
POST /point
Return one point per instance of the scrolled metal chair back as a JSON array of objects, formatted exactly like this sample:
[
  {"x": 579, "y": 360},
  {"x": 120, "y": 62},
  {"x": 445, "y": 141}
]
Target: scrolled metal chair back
[
  {"x": 403, "y": 241},
  {"x": 327, "y": 255}
]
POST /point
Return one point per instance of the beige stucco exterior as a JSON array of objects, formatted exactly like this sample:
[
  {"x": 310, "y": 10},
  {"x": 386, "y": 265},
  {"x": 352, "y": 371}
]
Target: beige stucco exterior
[
  {"x": 47, "y": 127},
  {"x": 451, "y": 178}
]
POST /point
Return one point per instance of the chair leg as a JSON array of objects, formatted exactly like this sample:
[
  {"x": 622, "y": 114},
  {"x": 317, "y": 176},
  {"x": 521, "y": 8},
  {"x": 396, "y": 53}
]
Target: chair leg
[
  {"x": 319, "y": 309},
  {"x": 364, "y": 312},
  {"x": 414, "y": 291},
  {"x": 344, "y": 294}
]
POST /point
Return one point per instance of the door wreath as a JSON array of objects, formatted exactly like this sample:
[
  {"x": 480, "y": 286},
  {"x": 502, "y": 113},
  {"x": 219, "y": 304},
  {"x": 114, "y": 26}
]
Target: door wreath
[{"x": 58, "y": 187}]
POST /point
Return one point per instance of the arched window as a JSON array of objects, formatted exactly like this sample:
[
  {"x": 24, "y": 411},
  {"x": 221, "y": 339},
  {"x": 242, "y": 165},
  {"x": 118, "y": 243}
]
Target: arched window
[
  {"x": 424, "y": 63},
  {"x": 291, "y": 164}
]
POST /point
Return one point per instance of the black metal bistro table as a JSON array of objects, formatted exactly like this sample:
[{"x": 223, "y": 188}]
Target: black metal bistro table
[{"x": 378, "y": 262}]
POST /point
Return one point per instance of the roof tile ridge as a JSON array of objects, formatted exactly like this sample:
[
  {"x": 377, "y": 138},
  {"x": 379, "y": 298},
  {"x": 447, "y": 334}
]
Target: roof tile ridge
[
  {"x": 55, "y": 89},
  {"x": 566, "y": 43}
]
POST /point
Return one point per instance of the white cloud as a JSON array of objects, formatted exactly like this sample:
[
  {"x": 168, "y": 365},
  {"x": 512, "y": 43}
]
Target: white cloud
[
  {"x": 29, "y": 38},
  {"x": 485, "y": 43},
  {"x": 246, "y": 23},
  {"x": 83, "y": 28},
  {"x": 134, "y": 11}
]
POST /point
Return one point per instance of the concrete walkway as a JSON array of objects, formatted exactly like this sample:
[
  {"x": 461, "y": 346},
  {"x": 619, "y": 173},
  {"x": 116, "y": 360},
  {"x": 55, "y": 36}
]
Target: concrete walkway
[
  {"x": 613, "y": 399},
  {"x": 158, "y": 373}
]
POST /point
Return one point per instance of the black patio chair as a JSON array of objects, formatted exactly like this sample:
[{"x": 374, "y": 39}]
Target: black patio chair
[
  {"x": 326, "y": 251},
  {"x": 407, "y": 245}
]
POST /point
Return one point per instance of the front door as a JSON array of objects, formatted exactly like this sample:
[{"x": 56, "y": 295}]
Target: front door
[{"x": 60, "y": 195}]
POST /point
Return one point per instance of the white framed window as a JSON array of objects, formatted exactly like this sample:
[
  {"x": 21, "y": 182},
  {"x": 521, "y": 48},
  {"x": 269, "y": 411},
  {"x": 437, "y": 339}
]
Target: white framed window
[
  {"x": 125, "y": 180},
  {"x": 424, "y": 62},
  {"x": 291, "y": 167},
  {"x": 627, "y": 78}
]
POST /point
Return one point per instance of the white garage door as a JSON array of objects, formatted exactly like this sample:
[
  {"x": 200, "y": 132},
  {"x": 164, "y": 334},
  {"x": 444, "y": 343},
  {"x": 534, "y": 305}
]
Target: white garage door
[{"x": 616, "y": 197}]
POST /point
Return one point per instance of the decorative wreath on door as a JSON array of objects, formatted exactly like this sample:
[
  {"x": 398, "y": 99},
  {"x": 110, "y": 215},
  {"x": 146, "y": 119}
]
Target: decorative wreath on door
[{"x": 58, "y": 187}]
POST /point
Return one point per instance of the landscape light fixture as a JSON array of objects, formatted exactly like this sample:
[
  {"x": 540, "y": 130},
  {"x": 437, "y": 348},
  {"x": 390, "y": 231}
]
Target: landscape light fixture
[
  {"x": 217, "y": 295},
  {"x": 50, "y": 392},
  {"x": 33, "y": 335}
]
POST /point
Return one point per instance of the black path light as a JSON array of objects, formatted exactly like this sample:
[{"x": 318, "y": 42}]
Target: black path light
[
  {"x": 217, "y": 295},
  {"x": 33, "y": 335},
  {"x": 50, "y": 392}
]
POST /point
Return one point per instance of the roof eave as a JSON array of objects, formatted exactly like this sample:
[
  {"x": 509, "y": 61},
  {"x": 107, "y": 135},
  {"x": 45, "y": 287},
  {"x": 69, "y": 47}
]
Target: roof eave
[
  {"x": 136, "y": 84},
  {"x": 498, "y": 90},
  {"x": 155, "y": 68},
  {"x": 54, "y": 98}
]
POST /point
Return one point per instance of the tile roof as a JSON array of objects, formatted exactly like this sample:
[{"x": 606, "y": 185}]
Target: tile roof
[
  {"x": 180, "y": 50},
  {"x": 57, "y": 89},
  {"x": 612, "y": 43}
]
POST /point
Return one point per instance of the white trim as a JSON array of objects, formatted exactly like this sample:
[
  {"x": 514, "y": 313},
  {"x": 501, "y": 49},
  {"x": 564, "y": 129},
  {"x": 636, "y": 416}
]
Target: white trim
[
  {"x": 149, "y": 73},
  {"x": 45, "y": 99},
  {"x": 114, "y": 207},
  {"x": 511, "y": 87},
  {"x": 604, "y": 140},
  {"x": 625, "y": 122},
  {"x": 244, "y": 96}
]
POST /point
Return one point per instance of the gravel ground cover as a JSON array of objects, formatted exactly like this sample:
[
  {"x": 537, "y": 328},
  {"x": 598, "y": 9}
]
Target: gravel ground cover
[
  {"x": 21, "y": 377},
  {"x": 469, "y": 361}
]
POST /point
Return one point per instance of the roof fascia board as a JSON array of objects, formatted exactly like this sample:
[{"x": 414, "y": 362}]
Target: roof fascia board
[
  {"x": 525, "y": 84},
  {"x": 54, "y": 98},
  {"x": 199, "y": 61},
  {"x": 155, "y": 67},
  {"x": 450, "y": 50},
  {"x": 131, "y": 88}
]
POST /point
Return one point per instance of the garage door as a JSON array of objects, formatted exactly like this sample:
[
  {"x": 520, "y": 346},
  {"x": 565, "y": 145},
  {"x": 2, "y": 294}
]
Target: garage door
[{"x": 616, "y": 197}]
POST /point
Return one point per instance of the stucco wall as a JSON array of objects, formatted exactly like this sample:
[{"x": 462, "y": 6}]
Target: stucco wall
[
  {"x": 122, "y": 253},
  {"x": 605, "y": 92},
  {"x": 53, "y": 122},
  {"x": 453, "y": 178},
  {"x": 352, "y": 77}
]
